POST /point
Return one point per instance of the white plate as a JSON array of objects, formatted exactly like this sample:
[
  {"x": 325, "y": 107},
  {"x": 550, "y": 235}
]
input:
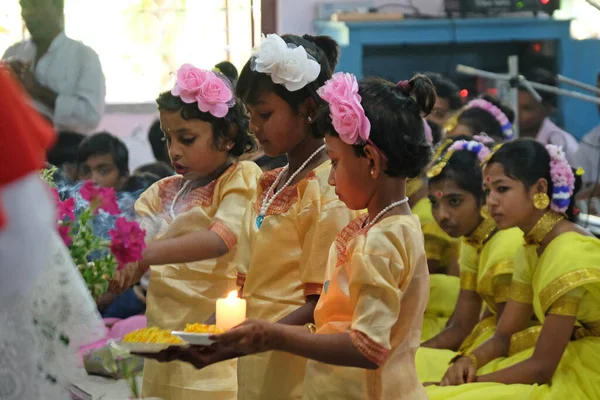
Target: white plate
[
  {"x": 197, "y": 339},
  {"x": 141, "y": 347}
]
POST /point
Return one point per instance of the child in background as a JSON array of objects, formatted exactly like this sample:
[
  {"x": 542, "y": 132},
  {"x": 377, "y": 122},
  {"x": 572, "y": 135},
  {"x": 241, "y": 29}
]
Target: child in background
[
  {"x": 487, "y": 258},
  {"x": 103, "y": 159},
  {"x": 369, "y": 316},
  {"x": 194, "y": 222},
  {"x": 64, "y": 154},
  {"x": 448, "y": 99},
  {"x": 483, "y": 116}
]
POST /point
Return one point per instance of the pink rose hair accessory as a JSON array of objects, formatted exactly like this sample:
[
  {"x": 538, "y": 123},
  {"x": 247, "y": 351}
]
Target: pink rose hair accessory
[
  {"x": 211, "y": 90},
  {"x": 346, "y": 112},
  {"x": 502, "y": 119},
  {"x": 563, "y": 179}
]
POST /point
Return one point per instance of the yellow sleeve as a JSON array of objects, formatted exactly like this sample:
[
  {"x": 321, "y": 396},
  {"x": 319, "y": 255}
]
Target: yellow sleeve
[
  {"x": 234, "y": 198},
  {"x": 318, "y": 226},
  {"x": 469, "y": 267},
  {"x": 568, "y": 304},
  {"x": 150, "y": 209},
  {"x": 521, "y": 287},
  {"x": 242, "y": 254},
  {"x": 376, "y": 298}
]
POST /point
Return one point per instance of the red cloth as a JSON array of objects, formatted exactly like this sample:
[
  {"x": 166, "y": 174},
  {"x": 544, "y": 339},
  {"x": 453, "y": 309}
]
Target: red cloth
[{"x": 25, "y": 135}]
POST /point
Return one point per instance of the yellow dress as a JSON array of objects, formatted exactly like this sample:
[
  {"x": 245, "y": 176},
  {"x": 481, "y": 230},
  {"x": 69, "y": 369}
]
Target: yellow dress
[
  {"x": 444, "y": 289},
  {"x": 377, "y": 290},
  {"x": 187, "y": 293},
  {"x": 564, "y": 280},
  {"x": 283, "y": 263},
  {"x": 486, "y": 269}
]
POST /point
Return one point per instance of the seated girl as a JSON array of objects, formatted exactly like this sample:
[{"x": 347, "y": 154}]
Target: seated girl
[
  {"x": 487, "y": 257},
  {"x": 557, "y": 278}
]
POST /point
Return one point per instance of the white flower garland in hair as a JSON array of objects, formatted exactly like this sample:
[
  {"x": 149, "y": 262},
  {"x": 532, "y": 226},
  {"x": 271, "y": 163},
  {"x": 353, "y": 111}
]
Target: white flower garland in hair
[{"x": 287, "y": 64}]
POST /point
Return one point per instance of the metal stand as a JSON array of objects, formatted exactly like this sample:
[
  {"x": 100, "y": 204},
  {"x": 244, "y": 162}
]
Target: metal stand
[{"x": 515, "y": 80}]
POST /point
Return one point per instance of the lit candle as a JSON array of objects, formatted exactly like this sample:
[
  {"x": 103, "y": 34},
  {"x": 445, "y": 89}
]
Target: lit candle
[{"x": 231, "y": 311}]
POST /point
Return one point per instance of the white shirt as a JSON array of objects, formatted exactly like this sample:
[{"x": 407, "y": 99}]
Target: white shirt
[
  {"x": 549, "y": 133},
  {"x": 73, "y": 71},
  {"x": 588, "y": 155}
]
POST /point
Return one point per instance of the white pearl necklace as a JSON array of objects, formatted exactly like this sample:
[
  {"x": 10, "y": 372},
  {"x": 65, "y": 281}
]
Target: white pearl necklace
[
  {"x": 268, "y": 201},
  {"x": 388, "y": 208},
  {"x": 172, "y": 209}
]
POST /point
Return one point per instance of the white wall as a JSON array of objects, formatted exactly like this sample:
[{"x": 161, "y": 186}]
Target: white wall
[{"x": 296, "y": 16}]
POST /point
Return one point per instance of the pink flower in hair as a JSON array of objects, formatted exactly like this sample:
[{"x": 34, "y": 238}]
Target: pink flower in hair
[
  {"x": 347, "y": 114},
  {"x": 195, "y": 85},
  {"x": 563, "y": 179}
]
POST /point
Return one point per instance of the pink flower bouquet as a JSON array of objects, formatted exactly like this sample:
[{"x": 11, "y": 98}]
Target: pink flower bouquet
[{"x": 97, "y": 258}]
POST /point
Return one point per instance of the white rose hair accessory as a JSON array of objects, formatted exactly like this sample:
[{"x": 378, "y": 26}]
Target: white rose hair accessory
[
  {"x": 287, "y": 64},
  {"x": 211, "y": 90}
]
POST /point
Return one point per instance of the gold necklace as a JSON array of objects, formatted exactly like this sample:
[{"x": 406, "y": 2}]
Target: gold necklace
[
  {"x": 481, "y": 235},
  {"x": 542, "y": 228}
]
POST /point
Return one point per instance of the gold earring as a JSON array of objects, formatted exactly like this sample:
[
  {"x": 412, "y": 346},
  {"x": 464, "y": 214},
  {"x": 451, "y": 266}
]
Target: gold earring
[
  {"x": 485, "y": 213},
  {"x": 541, "y": 201}
]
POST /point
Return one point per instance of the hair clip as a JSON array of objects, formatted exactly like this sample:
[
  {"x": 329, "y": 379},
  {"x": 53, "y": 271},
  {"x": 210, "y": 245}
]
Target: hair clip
[{"x": 489, "y": 156}]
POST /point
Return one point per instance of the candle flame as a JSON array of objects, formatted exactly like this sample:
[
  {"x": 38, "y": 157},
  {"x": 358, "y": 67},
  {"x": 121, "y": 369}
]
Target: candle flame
[{"x": 233, "y": 294}]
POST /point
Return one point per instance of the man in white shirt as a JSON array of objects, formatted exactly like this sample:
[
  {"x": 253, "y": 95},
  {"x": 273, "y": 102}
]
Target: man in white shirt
[
  {"x": 534, "y": 117},
  {"x": 63, "y": 76}
]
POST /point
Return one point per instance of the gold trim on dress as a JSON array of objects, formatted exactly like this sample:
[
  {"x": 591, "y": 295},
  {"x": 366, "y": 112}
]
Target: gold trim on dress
[
  {"x": 524, "y": 340},
  {"x": 521, "y": 292},
  {"x": 504, "y": 267},
  {"x": 501, "y": 292},
  {"x": 481, "y": 234},
  {"x": 541, "y": 228},
  {"x": 565, "y": 283},
  {"x": 587, "y": 329},
  {"x": 468, "y": 281},
  {"x": 483, "y": 326},
  {"x": 566, "y": 305}
]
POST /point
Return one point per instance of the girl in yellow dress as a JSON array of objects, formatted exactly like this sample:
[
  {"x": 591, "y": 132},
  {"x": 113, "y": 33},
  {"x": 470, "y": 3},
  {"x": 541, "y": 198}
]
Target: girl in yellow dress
[
  {"x": 369, "y": 317},
  {"x": 487, "y": 259},
  {"x": 193, "y": 224},
  {"x": 557, "y": 278}
]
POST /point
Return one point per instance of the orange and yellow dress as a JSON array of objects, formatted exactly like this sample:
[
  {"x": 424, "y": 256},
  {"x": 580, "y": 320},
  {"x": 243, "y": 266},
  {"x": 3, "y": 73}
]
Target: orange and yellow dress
[
  {"x": 284, "y": 262},
  {"x": 487, "y": 263},
  {"x": 444, "y": 289},
  {"x": 377, "y": 290},
  {"x": 563, "y": 280},
  {"x": 184, "y": 293}
]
